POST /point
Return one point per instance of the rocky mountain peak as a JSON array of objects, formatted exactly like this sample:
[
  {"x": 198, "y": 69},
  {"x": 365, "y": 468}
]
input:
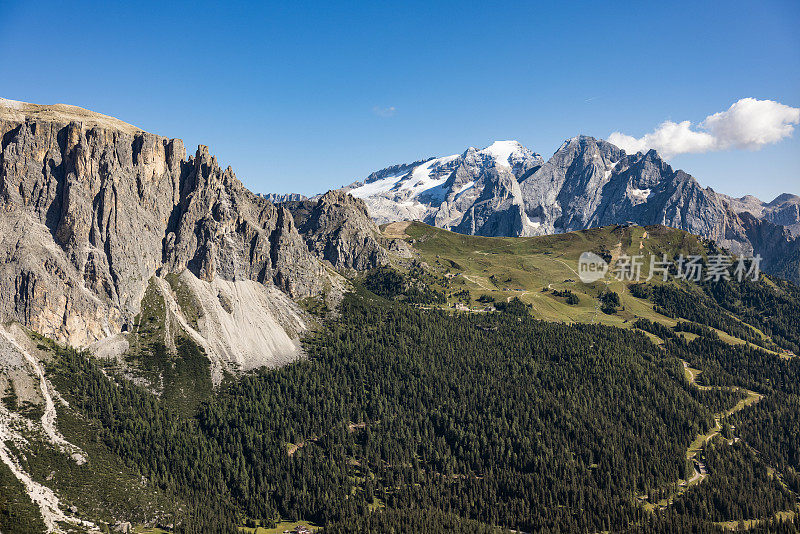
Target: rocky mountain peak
[
  {"x": 507, "y": 153},
  {"x": 337, "y": 228},
  {"x": 96, "y": 213},
  {"x": 587, "y": 182},
  {"x": 784, "y": 198}
]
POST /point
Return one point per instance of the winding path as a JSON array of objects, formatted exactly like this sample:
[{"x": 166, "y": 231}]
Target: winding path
[
  {"x": 16, "y": 429},
  {"x": 697, "y": 446}
]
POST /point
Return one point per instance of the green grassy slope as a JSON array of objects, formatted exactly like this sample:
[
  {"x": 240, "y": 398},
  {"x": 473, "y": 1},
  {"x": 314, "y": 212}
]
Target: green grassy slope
[{"x": 537, "y": 270}]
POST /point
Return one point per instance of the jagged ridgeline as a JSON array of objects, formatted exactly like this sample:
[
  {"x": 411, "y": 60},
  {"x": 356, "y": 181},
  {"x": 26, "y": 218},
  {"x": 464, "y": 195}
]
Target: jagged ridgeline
[
  {"x": 506, "y": 189},
  {"x": 154, "y": 314},
  {"x": 109, "y": 230}
]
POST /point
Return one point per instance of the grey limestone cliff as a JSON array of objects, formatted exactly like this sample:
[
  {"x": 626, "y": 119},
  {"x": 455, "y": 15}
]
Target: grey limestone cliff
[
  {"x": 337, "y": 228},
  {"x": 94, "y": 212}
]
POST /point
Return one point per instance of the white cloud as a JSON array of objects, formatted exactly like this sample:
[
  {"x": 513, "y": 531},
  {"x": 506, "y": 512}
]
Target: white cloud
[
  {"x": 384, "y": 112},
  {"x": 668, "y": 139},
  {"x": 747, "y": 124},
  {"x": 751, "y": 123}
]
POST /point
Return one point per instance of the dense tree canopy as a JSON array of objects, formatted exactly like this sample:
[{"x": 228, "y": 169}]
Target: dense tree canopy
[{"x": 403, "y": 419}]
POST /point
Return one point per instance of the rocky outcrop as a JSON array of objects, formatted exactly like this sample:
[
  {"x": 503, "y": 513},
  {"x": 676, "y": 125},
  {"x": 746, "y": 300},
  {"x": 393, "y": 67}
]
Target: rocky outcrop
[
  {"x": 337, "y": 228},
  {"x": 507, "y": 190},
  {"x": 91, "y": 209},
  {"x": 219, "y": 228},
  {"x": 780, "y": 250},
  {"x": 784, "y": 210},
  {"x": 84, "y": 209}
]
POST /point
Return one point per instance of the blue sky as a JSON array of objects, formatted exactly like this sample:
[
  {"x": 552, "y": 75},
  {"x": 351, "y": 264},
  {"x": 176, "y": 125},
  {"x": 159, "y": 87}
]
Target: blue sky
[{"x": 308, "y": 96}]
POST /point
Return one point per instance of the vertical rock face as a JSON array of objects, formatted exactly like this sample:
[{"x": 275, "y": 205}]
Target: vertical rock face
[
  {"x": 84, "y": 209},
  {"x": 91, "y": 208},
  {"x": 567, "y": 190},
  {"x": 219, "y": 228},
  {"x": 337, "y": 228},
  {"x": 775, "y": 243}
]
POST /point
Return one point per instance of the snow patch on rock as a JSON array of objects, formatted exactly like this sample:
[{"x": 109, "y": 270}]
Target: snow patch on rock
[
  {"x": 535, "y": 222},
  {"x": 501, "y": 151}
]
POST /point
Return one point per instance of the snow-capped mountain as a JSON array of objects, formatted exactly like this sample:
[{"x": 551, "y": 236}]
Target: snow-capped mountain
[
  {"x": 509, "y": 190},
  {"x": 474, "y": 192}
]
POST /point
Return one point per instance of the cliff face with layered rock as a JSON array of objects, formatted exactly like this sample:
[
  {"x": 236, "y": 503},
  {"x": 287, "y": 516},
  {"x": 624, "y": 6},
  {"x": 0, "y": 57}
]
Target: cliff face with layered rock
[
  {"x": 784, "y": 210},
  {"x": 92, "y": 209},
  {"x": 338, "y": 229}
]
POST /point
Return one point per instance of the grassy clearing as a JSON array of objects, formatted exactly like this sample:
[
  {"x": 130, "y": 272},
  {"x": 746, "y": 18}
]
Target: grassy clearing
[
  {"x": 280, "y": 527},
  {"x": 139, "y": 529},
  {"x": 376, "y": 504},
  {"x": 748, "y": 524},
  {"x": 532, "y": 268}
]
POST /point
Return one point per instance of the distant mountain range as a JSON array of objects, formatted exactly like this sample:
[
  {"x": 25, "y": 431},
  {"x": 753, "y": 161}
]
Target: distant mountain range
[
  {"x": 509, "y": 190},
  {"x": 277, "y": 198}
]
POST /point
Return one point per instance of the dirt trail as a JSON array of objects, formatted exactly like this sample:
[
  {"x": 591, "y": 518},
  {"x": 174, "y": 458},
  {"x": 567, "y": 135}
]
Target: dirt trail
[
  {"x": 697, "y": 446},
  {"x": 521, "y": 293},
  {"x": 568, "y": 266},
  {"x": 396, "y": 230},
  {"x": 14, "y": 428}
]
